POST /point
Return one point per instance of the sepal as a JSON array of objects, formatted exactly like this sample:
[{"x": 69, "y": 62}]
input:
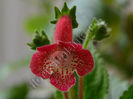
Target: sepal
[
  {"x": 66, "y": 11},
  {"x": 99, "y": 30},
  {"x": 39, "y": 39}
]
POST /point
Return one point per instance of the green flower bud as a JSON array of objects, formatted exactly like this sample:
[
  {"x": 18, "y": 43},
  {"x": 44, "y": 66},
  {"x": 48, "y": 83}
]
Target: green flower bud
[
  {"x": 99, "y": 30},
  {"x": 39, "y": 39}
]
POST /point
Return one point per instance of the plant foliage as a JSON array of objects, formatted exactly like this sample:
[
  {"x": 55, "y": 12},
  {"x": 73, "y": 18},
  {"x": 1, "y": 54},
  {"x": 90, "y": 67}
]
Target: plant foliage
[
  {"x": 128, "y": 94},
  {"x": 39, "y": 39}
]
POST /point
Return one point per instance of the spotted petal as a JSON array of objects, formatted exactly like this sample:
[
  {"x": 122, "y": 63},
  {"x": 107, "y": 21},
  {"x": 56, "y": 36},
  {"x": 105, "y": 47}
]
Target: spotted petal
[
  {"x": 85, "y": 62},
  {"x": 62, "y": 82},
  {"x": 41, "y": 63}
]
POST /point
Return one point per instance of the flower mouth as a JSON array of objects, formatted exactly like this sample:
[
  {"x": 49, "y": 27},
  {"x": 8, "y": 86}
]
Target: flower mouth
[
  {"x": 62, "y": 62},
  {"x": 61, "y": 58}
]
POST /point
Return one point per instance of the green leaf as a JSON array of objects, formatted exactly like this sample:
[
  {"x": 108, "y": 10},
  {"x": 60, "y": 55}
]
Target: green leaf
[
  {"x": 39, "y": 39},
  {"x": 128, "y": 94},
  {"x": 96, "y": 83},
  {"x": 59, "y": 95}
]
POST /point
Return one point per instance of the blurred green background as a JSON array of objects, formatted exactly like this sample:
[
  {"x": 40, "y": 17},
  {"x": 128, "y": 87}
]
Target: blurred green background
[{"x": 20, "y": 18}]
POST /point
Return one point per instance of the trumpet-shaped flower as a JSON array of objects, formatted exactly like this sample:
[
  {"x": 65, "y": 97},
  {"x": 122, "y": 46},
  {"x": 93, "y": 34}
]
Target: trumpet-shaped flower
[{"x": 59, "y": 60}]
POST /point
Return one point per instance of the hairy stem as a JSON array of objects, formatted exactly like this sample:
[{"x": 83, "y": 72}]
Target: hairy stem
[
  {"x": 85, "y": 45},
  {"x": 66, "y": 95},
  {"x": 87, "y": 39}
]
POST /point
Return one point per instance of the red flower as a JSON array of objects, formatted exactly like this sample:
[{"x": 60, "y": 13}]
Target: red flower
[{"x": 59, "y": 60}]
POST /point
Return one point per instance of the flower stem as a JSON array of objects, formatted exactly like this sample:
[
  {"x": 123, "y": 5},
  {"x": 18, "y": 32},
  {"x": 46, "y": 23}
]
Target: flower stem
[
  {"x": 72, "y": 95},
  {"x": 85, "y": 45},
  {"x": 81, "y": 88},
  {"x": 66, "y": 95},
  {"x": 87, "y": 39}
]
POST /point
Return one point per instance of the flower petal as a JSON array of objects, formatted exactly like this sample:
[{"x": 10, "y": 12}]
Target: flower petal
[
  {"x": 85, "y": 62},
  {"x": 62, "y": 82},
  {"x": 40, "y": 65},
  {"x": 69, "y": 46},
  {"x": 48, "y": 48}
]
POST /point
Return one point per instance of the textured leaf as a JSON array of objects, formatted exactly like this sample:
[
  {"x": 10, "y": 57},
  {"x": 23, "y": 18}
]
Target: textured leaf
[
  {"x": 96, "y": 83},
  {"x": 128, "y": 94}
]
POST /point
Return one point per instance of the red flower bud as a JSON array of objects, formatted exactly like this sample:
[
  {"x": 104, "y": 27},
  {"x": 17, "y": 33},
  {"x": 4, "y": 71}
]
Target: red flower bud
[{"x": 63, "y": 30}]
